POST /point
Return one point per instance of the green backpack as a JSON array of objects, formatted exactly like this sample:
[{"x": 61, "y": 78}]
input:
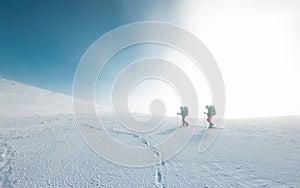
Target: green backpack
[{"x": 212, "y": 110}]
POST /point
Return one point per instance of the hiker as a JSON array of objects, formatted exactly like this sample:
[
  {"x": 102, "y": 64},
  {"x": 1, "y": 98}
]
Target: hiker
[
  {"x": 184, "y": 111},
  {"x": 211, "y": 111}
]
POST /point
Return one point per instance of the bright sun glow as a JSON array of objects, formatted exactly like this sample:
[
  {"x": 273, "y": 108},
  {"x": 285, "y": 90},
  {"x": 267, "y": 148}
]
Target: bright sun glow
[
  {"x": 149, "y": 90},
  {"x": 254, "y": 46},
  {"x": 145, "y": 92}
]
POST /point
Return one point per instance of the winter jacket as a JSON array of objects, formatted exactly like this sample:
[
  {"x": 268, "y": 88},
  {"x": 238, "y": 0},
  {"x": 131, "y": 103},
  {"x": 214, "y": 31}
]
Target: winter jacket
[{"x": 208, "y": 111}]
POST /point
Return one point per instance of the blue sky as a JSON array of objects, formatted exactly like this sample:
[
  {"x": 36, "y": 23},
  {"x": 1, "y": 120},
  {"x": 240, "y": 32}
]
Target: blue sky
[{"x": 41, "y": 42}]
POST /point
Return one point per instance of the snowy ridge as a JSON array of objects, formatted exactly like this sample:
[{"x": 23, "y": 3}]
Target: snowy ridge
[{"x": 18, "y": 99}]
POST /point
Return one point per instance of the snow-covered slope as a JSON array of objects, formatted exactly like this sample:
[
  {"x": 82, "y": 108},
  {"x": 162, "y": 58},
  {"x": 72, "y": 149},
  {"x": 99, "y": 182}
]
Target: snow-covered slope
[
  {"x": 18, "y": 99},
  {"x": 40, "y": 146}
]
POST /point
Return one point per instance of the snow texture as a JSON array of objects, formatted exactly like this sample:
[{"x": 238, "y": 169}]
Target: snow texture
[{"x": 40, "y": 146}]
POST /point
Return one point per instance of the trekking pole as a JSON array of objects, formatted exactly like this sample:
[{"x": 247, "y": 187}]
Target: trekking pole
[{"x": 204, "y": 121}]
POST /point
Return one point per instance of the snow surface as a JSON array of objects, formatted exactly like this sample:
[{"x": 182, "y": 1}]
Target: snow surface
[{"x": 40, "y": 146}]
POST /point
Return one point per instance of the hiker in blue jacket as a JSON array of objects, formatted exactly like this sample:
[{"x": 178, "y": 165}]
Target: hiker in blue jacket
[{"x": 184, "y": 111}]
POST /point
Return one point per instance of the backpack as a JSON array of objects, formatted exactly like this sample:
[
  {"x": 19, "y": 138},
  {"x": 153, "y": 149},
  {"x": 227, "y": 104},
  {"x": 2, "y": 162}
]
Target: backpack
[
  {"x": 212, "y": 110},
  {"x": 185, "y": 111}
]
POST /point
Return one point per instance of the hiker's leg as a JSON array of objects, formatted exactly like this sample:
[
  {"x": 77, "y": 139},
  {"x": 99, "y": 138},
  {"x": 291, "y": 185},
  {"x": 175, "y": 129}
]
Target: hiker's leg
[
  {"x": 186, "y": 123},
  {"x": 210, "y": 124}
]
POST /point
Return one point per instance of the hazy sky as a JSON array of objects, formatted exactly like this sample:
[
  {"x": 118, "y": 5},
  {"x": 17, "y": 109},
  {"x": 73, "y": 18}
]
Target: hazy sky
[{"x": 255, "y": 43}]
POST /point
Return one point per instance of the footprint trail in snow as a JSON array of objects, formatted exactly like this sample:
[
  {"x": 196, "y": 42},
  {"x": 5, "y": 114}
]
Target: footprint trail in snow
[{"x": 160, "y": 161}]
